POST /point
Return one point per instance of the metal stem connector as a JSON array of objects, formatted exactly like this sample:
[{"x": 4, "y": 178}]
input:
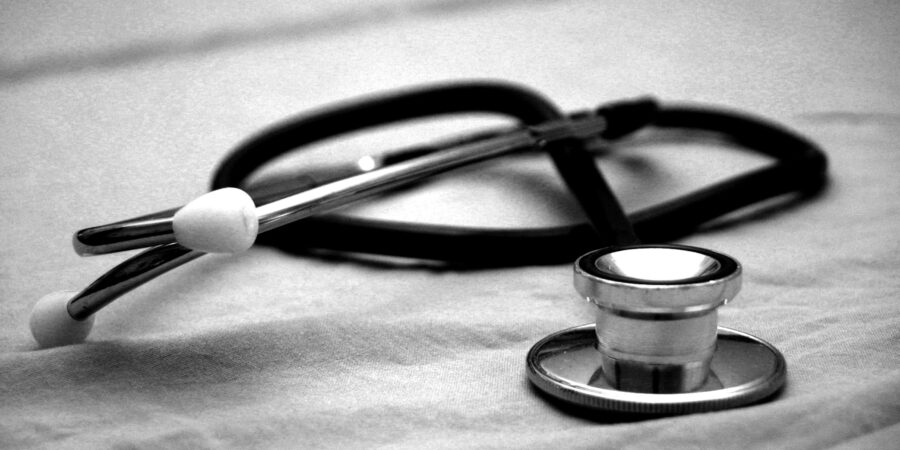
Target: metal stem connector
[{"x": 656, "y": 312}]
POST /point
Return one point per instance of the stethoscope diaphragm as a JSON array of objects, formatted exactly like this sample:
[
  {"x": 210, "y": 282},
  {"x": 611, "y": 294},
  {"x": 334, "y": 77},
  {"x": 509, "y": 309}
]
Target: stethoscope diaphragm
[
  {"x": 656, "y": 347},
  {"x": 744, "y": 369}
]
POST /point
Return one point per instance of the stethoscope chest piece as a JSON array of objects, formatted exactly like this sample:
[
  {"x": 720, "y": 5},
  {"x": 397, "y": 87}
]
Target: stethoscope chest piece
[{"x": 656, "y": 347}]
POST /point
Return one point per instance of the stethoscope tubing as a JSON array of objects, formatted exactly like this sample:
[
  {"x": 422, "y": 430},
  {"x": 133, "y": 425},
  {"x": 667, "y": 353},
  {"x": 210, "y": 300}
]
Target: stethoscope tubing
[
  {"x": 156, "y": 228},
  {"x": 800, "y": 166}
]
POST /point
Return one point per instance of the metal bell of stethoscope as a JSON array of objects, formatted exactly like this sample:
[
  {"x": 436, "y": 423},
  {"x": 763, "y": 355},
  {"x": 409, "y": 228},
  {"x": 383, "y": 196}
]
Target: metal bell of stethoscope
[{"x": 656, "y": 346}]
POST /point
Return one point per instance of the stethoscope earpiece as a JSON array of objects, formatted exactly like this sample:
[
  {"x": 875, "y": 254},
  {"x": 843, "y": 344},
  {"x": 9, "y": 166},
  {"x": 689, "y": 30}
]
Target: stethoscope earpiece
[
  {"x": 221, "y": 221},
  {"x": 53, "y": 326},
  {"x": 656, "y": 347}
]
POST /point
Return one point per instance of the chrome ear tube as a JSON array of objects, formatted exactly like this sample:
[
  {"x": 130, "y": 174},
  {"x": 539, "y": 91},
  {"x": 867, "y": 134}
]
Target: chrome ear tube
[
  {"x": 227, "y": 221},
  {"x": 656, "y": 347}
]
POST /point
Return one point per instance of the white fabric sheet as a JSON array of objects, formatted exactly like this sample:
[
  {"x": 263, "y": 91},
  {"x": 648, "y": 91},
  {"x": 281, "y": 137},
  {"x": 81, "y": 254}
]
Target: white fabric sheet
[{"x": 111, "y": 111}]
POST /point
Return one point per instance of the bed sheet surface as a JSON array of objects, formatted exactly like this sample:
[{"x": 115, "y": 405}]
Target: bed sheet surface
[{"x": 110, "y": 112}]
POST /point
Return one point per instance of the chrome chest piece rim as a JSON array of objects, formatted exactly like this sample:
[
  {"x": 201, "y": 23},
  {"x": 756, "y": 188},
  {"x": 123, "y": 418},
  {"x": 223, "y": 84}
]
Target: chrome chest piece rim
[
  {"x": 744, "y": 369},
  {"x": 656, "y": 346}
]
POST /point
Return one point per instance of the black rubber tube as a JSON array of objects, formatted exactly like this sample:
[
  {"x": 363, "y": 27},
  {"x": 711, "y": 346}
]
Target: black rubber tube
[
  {"x": 526, "y": 106},
  {"x": 609, "y": 225},
  {"x": 799, "y": 167}
]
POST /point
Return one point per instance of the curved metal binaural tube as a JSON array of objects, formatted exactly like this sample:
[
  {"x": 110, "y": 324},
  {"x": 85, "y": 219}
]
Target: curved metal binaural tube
[
  {"x": 128, "y": 275},
  {"x": 157, "y": 228}
]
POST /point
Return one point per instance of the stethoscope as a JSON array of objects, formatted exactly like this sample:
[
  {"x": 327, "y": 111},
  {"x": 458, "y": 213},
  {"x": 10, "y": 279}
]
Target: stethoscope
[{"x": 655, "y": 348}]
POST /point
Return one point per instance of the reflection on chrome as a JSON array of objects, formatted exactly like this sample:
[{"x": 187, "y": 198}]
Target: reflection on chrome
[{"x": 657, "y": 264}]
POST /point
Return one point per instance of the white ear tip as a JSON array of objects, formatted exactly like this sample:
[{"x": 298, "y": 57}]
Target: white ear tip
[
  {"x": 221, "y": 221},
  {"x": 51, "y": 324}
]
